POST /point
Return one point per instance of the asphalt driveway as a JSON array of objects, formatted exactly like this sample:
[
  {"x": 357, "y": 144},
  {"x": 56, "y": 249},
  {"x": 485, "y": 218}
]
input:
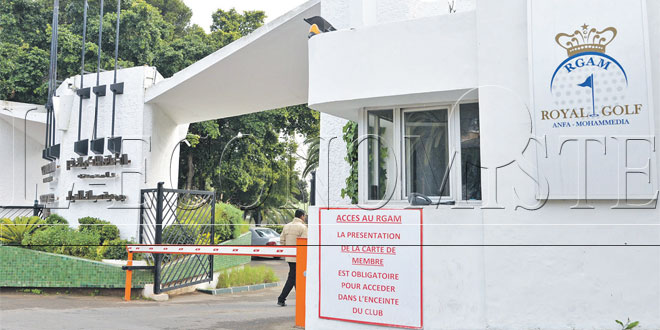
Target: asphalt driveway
[{"x": 244, "y": 310}]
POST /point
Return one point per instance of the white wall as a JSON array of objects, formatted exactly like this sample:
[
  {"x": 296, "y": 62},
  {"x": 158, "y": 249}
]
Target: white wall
[
  {"x": 343, "y": 14},
  {"x": 380, "y": 64},
  {"x": 333, "y": 168},
  {"x": 521, "y": 287},
  {"x": 17, "y": 184},
  {"x": 147, "y": 141}
]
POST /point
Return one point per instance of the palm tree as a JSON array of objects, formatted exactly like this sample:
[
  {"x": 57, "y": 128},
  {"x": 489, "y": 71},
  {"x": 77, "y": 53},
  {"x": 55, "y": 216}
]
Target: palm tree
[
  {"x": 312, "y": 157},
  {"x": 13, "y": 232}
]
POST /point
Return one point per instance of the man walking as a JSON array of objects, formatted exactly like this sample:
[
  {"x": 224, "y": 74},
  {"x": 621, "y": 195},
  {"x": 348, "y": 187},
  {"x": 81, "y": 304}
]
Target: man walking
[{"x": 290, "y": 233}]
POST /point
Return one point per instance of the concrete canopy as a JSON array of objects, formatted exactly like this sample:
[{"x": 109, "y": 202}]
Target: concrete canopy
[{"x": 267, "y": 69}]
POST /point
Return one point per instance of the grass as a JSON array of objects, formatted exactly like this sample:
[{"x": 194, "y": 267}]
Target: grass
[{"x": 246, "y": 276}]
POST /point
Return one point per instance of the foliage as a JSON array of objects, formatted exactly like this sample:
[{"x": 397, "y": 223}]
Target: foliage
[
  {"x": 23, "y": 72},
  {"x": 13, "y": 232},
  {"x": 229, "y": 224},
  {"x": 246, "y": 276},
  {"x": 115, "y": 249},
  {"x": 231, "y": 218},
  {"x": 312, "y": 158},
  {"x": 256, "y": 171},
  {"x": 277, "y": 228},
  {"x": 152, "y": 32},
  {"x": 105, "y": 230},
  {"x": 627, "y": 325},
  {"x": 254, "y": 175},
  {"x": 55, "y": 219},
  {"x": 64, "y": 240},
  {"x": 230, "y": 25},
  {"x": 350, "y": 136},
  {"x": 180, "y": 234}
]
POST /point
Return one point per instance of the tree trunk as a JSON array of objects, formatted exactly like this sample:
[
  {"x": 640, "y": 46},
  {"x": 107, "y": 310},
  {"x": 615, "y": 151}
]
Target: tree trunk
[
  {"x": 191, "y": 171},
  {"x": 257, "y": 217}
]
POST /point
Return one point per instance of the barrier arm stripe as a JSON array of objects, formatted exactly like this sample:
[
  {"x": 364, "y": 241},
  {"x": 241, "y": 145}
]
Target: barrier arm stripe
[{"x": 237, "y": 250}]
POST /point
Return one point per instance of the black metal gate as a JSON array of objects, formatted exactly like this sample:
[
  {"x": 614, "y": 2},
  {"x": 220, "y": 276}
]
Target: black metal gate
[
  {"x": 12, "y": 212},
  {"x": 175, "y": 216}
]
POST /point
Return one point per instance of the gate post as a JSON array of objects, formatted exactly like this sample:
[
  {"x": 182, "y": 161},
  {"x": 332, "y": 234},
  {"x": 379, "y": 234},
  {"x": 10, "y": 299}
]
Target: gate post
[
  {"x": 211, "y": 257},
  {"x": 159, "y": 235},
  {"x": 35, "y": 208},
  {"x": 140, "y": 228},
  {"x": 301, "y": 273}
]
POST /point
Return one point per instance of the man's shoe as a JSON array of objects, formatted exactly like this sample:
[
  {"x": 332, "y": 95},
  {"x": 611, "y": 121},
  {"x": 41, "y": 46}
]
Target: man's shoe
[{"x": 281, "y": 303}]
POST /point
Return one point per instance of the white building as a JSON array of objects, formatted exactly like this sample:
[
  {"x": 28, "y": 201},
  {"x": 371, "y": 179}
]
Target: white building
[{"x": 475, "y": 111}]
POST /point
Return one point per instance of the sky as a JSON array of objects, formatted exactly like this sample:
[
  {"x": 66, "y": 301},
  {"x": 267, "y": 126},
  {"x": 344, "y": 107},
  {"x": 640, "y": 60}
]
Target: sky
[{"x": 202, "y": 9}]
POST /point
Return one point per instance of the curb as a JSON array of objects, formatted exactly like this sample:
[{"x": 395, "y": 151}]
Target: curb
[{"x": 237, "y": 289}]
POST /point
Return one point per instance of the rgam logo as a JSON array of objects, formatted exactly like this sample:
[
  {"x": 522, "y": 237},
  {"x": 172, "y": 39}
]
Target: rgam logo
[{"x": 589, "y": 87}]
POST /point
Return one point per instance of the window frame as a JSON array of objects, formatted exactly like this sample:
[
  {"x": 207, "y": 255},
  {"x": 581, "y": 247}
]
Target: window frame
[{"x": 398, "y": 148}]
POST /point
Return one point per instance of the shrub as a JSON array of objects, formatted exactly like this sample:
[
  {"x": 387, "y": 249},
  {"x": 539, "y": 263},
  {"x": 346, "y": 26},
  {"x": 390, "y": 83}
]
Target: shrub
[
  {"x": 230, "y": 217},
  {"x": 64, "y": 240},
  {"x": 229, "y": 224},
  {"x": 277, "y": 228},
  {"x": 13, "y": 232},
  {"x": 246, "y": 276},
  {"x": 179, "y": 234},
  {"x": 104, "y": 229},
  {"x": 115, "y": 249},
  {"x": 55, "y": 219}
]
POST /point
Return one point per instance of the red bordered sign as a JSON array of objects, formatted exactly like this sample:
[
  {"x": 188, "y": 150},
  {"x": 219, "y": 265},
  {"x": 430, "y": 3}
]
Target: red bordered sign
[{"x": 370, "y": 266}]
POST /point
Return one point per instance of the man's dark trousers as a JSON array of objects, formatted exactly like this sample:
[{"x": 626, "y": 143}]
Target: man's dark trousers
[{"x": 290, "y": 282}]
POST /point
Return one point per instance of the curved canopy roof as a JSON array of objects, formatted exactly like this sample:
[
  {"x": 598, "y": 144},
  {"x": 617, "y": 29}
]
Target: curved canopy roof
[{"x": 265, "y": 70}]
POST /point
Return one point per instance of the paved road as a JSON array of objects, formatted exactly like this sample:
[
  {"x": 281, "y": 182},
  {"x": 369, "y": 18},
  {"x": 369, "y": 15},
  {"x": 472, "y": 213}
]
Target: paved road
[{"x": 245, "y": 310}]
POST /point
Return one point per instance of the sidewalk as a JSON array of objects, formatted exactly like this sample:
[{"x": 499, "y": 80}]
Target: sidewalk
[{"x": 245, "y": 310}]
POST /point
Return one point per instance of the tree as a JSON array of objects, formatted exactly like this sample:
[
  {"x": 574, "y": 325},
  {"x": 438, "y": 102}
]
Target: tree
[
  {"x": 257, "y": 170},
  {"x": 158, "y": 33},
  {"x": 174, "y": 11}
]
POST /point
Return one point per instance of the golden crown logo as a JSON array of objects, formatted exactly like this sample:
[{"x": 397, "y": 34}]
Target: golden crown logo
[{"x": 587, "y": 40}]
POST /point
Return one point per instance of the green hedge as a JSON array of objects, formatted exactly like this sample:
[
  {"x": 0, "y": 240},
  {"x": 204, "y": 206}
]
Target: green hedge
[
  {"x": 64, "y": 240},
  {"x": 229, "y": 224},
  {"x": 28, "y": 268}
]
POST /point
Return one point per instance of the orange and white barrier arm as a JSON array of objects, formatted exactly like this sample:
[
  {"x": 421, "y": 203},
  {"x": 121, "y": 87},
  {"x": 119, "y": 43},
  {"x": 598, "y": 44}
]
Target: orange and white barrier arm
[{"x": 235, "y": 250}]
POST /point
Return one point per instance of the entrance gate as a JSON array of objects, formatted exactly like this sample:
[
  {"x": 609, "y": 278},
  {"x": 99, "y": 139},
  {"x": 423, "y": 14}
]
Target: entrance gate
[{"x": 178, "y": 217}]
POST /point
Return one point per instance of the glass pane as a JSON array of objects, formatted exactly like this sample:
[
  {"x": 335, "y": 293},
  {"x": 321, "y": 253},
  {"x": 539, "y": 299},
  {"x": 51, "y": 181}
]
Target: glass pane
[
  {"x": 470, "y": 152},
  {"x": 381, "y": 163},
  {"x": 427, "y": 152}
]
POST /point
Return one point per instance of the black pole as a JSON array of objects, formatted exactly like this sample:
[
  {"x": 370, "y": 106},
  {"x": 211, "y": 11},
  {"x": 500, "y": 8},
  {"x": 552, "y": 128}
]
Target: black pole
[
  {"x": 82, "y": 67},
  {"x": 211, "y": 257},
  {"x": 312, "y": 190},
  {"x": 159, "y": 235},
  {"x": 140, "y": 229},
  {"x": 53, "y": 77},
  {"x": 98, "y": 71},
  {"x": 116, "y": 55},
  {"x": 81, "y": 147},
  {"x": 50, "y": 119},
  {"x": 35, "y": 208}
]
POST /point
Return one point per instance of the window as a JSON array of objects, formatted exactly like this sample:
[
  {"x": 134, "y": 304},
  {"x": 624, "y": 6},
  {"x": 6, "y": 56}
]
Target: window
[
  {"x": 381, "y": 132},
  {"x": 432, "y": 151},
  {"x": 470, "y": 152},
  {"x": 426, "y": 146}
]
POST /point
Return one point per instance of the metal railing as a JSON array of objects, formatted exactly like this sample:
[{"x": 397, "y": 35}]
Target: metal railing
[{"x": 12, "y": 211}]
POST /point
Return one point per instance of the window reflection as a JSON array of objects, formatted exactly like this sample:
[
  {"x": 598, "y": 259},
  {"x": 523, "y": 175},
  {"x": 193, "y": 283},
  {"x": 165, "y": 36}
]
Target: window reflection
[
  {"x": 381, "y": 163},
  {"x": 426, "y": 152},
  {"x": 470, "y": 152}
]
